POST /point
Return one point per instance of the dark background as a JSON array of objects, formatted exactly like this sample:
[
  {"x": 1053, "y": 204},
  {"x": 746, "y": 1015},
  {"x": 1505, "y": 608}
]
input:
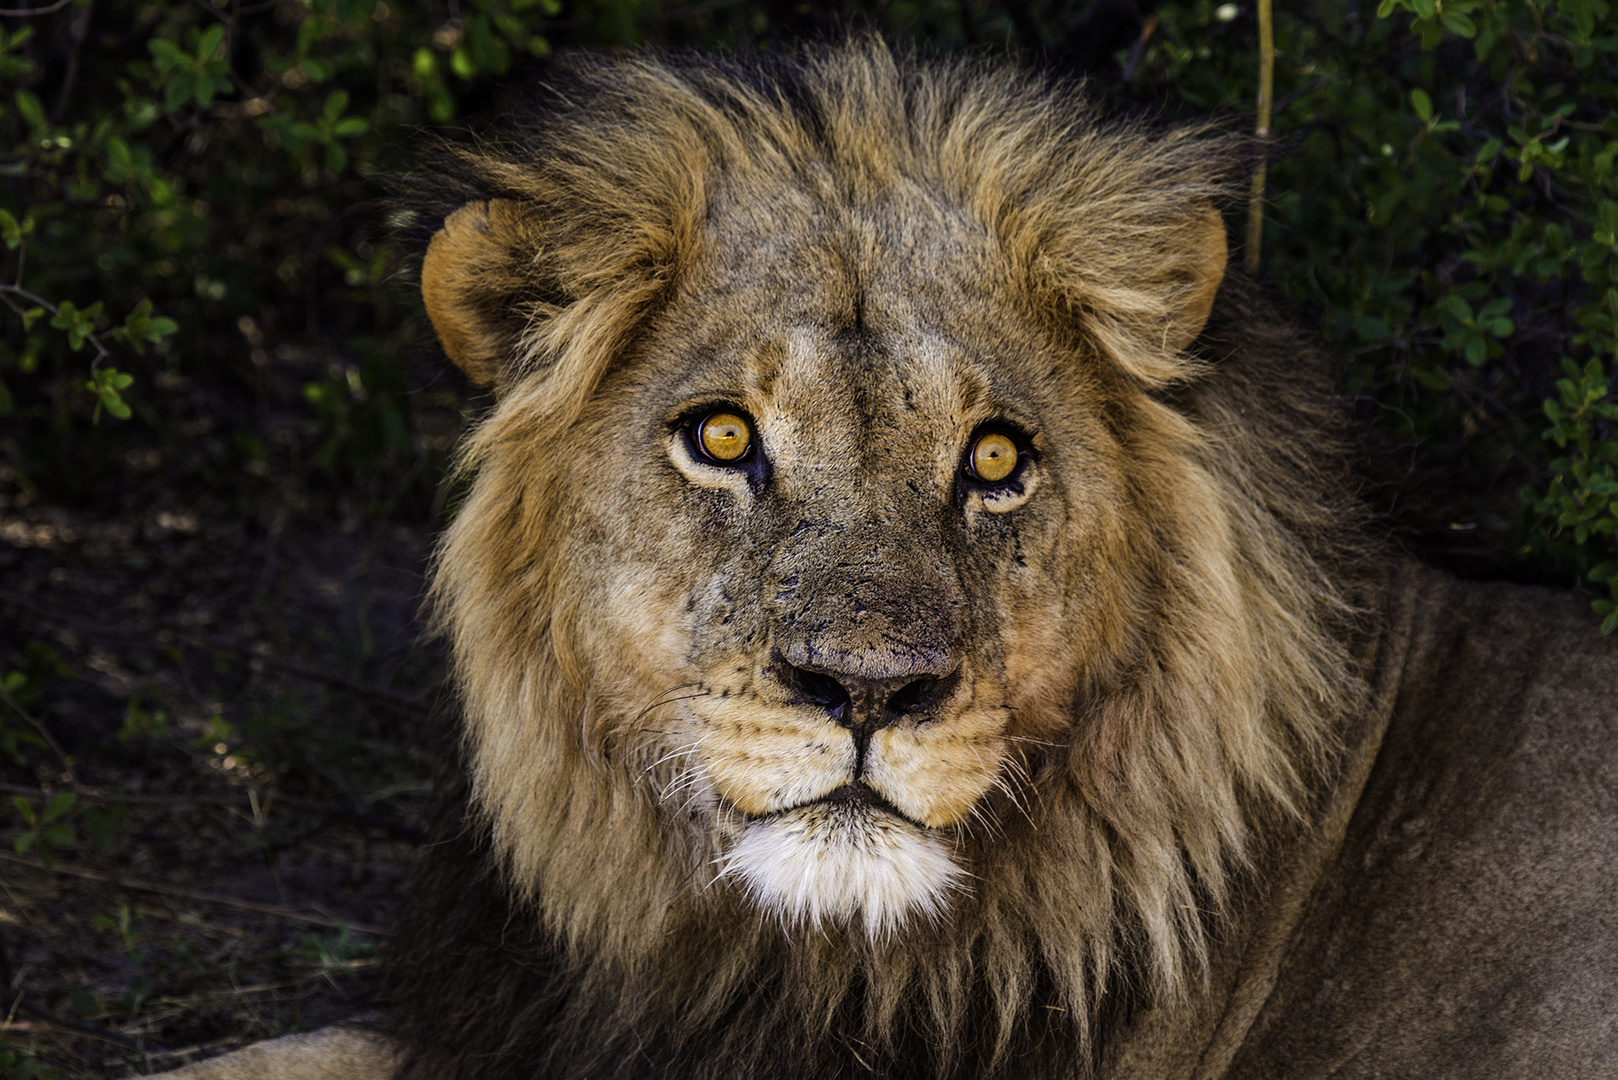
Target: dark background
[{"x": 224, "y": 423}]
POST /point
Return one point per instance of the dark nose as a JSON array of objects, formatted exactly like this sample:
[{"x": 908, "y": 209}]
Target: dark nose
[{"x": 862, "y": 702}]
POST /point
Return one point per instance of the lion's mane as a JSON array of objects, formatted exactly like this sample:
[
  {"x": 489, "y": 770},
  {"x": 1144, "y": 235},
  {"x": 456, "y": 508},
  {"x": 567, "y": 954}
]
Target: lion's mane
[{"x": 564, "y": 925}]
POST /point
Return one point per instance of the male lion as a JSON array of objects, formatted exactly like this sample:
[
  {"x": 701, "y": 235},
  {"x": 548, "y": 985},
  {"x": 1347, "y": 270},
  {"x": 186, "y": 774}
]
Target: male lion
[{"x": 913, "y": 619}]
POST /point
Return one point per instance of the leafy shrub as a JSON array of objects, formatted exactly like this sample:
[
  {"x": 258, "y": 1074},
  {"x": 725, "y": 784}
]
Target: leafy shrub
[{"x": 1444, "y": 202}]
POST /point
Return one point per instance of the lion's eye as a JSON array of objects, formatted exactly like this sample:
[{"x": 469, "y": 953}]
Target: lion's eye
[
  {"x": 994, "y": 457},
  {"x": 724, "y": 437}
]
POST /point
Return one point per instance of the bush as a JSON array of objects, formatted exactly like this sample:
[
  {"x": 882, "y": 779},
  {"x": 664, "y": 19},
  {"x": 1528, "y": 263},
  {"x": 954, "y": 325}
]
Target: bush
[
  {"x": 1444, "y": 203},
  {"x": 182, "y": 180}
]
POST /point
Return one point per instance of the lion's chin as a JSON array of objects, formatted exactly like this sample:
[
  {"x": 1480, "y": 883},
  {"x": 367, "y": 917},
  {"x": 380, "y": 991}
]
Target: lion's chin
[{"x": 838, "y": 861}]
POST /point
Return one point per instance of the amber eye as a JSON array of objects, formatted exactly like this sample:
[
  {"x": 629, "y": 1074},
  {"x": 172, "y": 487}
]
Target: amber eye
[
  {"x": 994, "y": 457},
  {"x": 725, "y": 437}
]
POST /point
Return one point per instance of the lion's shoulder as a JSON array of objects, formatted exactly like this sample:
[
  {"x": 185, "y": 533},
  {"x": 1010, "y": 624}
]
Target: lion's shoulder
[{"x": 1465, "y": 928}]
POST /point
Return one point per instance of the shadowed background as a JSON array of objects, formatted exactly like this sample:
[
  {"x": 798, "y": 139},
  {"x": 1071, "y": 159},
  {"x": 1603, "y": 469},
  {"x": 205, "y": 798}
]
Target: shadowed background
[{"x": 225, "y": 425}]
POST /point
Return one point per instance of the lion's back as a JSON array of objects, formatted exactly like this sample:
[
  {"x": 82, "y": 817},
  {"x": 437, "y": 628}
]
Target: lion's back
[{"x": 1469, "y": 927}]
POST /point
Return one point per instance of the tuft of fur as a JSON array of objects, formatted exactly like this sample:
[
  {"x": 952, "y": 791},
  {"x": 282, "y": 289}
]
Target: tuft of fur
[
  {"x": 883, "y": 872},
  {"x": 572, "y": 920}
]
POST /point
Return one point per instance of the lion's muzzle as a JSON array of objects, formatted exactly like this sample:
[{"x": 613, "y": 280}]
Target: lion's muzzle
[{"x": 864, "y": 704}]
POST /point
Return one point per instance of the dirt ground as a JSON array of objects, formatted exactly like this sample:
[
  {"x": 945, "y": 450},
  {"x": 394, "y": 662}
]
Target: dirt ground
[{"x": 238, "y": 715}]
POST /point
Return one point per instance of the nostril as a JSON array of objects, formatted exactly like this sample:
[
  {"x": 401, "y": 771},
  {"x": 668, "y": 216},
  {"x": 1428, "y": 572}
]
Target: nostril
[
  {"x": 920, "y": 695},
  {"x": 813, "y": 688}
]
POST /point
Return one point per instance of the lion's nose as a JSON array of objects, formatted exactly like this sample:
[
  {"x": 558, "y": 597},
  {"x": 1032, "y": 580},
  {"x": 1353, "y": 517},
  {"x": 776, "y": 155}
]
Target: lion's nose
[{"x": 861, "y": 701}]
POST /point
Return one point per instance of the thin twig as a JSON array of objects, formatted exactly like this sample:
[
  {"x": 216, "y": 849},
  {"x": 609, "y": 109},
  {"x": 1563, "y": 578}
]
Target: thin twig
[
  {"x": 49, "y": 1019},
  {"x": 19, "y": 13},
  {"x": 290, "y": 667},
  {"x": 45, "y": 732},
  {"x": 305, "y": 671},
  {"x": 17, "y": 290},
  {"x": 399, "y": 830},
  {"x": 1146, "y": 30},
  {"x": 1266, "y": 94},
  {"x": 137, "y": 885},
  {"x": 81, "y": 30}
]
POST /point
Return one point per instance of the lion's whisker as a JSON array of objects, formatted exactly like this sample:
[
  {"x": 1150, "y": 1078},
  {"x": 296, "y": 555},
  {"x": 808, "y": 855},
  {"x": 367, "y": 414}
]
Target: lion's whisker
[
  {"x": 683, "y": 751},
  {"x": 664, "y": 699}
]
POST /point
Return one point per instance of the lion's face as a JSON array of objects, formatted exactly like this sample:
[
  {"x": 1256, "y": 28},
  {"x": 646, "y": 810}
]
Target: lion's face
[
  {"x": 857, "y": 537},
  {"x": 828, "y": 638}
]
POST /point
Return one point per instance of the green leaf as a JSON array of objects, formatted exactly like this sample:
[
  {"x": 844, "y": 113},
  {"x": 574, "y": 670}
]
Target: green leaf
[
  {"x": 32, "y": 112},
  {"x": 1432, "y": 378},
  {"x": 1372, "y": 329},
  {"x": 13, "y": 230},
  {"x": 165, "y": 53},
  {"x": 209, "y": 42},
  {"x": 59, "y": 804},
  {"x": 26, "y": 809},
  {"x": 1458, "y": 24},
  {"x": 1422, "y": 104},
  {"x": 336, "y": 102},
  {"x": 78, "y": 324},
  {"x": 106, "y": 385},
  {"x": 177, "y": 92}
]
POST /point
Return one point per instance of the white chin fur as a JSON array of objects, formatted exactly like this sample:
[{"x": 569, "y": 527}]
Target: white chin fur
[{"x": 831, "y": 862}]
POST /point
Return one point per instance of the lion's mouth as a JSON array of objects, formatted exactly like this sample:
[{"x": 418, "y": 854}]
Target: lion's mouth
[{"x": 856, "y": 795}]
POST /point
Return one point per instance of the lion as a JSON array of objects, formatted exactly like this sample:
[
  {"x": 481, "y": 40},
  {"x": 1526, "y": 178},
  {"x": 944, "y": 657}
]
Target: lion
[{"x": 914, "y": 615}]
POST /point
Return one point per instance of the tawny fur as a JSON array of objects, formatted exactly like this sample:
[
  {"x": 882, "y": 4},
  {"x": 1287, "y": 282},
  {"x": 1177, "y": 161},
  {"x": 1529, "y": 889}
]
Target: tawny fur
[{"x": 1158, "y": 700}]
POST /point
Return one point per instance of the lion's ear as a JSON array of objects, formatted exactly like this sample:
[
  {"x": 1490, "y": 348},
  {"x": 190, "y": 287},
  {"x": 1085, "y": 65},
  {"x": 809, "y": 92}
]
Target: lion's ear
[
  {"x": 1140, "y": 271},
  {"x": 473, "y": 280},
  {"x": 1203, "y": 270}
]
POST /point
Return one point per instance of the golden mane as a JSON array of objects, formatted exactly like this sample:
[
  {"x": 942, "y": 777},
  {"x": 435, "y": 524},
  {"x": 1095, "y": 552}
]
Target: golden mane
[{"x": 1205, "y": 704}]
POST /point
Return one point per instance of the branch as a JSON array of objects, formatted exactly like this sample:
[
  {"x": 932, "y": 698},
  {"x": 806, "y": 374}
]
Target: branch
[
  {"x": 81, "y": 30},
  {"x": 22, "y": 13},
  {"x": 50, "y": 1020},
  {"x": 1266, "y": 94},
  {"x": 137, "y": 885},
  {"x": 394, "y": 698},
  {"x": 45, "y": 732},
  {"x": 399, "y": 830},
  {"x": 34, "y": 298}
]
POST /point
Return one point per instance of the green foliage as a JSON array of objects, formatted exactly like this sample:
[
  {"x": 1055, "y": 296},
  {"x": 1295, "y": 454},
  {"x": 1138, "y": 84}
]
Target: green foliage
[
  {"x": 1443, "y": 200},
  {"x": 1577, "y": 514},
  {"x": 194, "y": 73},
  {"x": 141, "y": 724},
  {"x": 17, "y": 1063},
  {"x": 15, "y": 732},
  {"x": 45, "y": 829}
]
